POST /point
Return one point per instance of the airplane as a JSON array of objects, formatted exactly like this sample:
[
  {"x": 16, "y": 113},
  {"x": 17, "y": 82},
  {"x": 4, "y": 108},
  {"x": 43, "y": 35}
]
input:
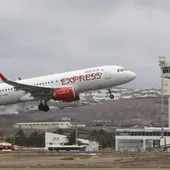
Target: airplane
[{"x": 65, "y": 87}]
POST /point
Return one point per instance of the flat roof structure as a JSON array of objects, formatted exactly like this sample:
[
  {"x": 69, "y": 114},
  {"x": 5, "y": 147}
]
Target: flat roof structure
[
  {"x": 43, "y": 125},
  {"x": 139, "y": 139}
]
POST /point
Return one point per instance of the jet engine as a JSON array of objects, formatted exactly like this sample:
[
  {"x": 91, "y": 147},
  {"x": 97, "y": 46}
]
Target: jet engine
[{"x": 66, "y": 94}]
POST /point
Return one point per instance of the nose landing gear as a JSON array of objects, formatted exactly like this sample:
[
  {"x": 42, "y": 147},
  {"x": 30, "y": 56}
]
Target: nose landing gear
[{"x": 111, "y": 95}]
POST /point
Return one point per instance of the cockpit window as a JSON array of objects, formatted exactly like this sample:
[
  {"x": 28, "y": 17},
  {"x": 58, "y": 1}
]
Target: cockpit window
[{"x": 120, "y": 70}]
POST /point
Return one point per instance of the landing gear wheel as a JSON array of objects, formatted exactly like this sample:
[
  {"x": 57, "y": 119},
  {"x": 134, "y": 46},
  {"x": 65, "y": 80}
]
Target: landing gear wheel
[
  {"x": 46, "y": 108},
  {"x": 41, "y": 107},
  {"x": 112, "y": 96}
]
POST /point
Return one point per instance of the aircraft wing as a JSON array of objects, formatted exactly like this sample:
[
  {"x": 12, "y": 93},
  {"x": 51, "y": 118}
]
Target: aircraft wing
[{"x": 35, "y": 91}]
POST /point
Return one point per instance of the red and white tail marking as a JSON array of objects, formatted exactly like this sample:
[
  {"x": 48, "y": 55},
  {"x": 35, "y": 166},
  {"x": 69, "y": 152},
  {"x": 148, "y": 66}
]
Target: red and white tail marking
[{"x": 3, "y": 78}]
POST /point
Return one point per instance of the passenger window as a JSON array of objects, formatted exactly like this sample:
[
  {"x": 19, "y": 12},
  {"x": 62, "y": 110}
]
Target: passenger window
[
  {"x": 118, "y": 70},
  {"x": 51, "y": 81}
]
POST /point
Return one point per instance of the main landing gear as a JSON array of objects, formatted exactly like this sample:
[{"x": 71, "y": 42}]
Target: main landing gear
[
  {"x": 111, "y": 95},
  {"x": 43, "y": 107}
]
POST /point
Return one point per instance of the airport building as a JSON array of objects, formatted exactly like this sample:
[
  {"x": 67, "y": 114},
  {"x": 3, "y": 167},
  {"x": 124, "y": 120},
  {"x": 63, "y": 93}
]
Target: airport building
[
  {"x": 57, "y": 142},
  {"x": 46, "y": 125},
  {"x": 140, "y": 139},
  {"x": 134, "y": 139},
  {"x": 43, "y": 125}
]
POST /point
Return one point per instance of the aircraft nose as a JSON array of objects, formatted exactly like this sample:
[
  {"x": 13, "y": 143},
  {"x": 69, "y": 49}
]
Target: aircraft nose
[{"x": 130, "y": 76}]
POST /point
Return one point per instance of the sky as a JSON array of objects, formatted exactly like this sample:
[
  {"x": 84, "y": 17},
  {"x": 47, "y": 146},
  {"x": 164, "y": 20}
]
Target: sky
[{"x": 41, "y": 37}]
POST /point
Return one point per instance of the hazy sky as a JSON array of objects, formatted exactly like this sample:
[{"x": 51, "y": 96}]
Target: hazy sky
[{"x": 39, "y": 37}]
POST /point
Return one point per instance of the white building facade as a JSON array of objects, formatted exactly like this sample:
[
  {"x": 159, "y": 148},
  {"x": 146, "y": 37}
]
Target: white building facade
[
  {"x": 52, "y": 139},
  {"x": 136, "y": 140},
  {"x": 43, "y": 125},
  {"x": 58, "y": 142}
]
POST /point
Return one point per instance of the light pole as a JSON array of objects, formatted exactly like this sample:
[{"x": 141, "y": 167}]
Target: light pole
[
  {"x": 76, "y": 130},
  {"x": 162, "y": 61}
]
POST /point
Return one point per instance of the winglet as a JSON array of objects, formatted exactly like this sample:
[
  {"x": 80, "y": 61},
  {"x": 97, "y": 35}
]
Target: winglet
[{"x": 3, "y": 77}]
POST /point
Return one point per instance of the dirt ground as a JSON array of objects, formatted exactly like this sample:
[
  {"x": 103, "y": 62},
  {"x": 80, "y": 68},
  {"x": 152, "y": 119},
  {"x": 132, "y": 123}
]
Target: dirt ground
[
  {"x": 83, "y": 169},
  {"x": 59, "y": 161}
]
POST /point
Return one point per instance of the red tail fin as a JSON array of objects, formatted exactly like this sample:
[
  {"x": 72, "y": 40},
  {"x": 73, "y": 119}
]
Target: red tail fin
[{"x": 3, "y": 77}]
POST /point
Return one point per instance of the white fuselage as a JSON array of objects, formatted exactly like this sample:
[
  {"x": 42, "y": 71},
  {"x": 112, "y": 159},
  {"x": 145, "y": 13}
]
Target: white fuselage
[{"x": 82, "y": 80}]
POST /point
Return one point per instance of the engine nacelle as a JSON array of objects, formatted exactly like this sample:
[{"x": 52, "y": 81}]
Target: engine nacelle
[{"x": 66, "y": 94}]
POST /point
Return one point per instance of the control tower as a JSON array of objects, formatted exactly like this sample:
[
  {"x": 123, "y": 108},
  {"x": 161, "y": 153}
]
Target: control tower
[{"x": 166, "y": 85}]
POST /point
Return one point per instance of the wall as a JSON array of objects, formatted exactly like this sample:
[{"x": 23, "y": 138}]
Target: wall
[{"x": 52, "y": 139}]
